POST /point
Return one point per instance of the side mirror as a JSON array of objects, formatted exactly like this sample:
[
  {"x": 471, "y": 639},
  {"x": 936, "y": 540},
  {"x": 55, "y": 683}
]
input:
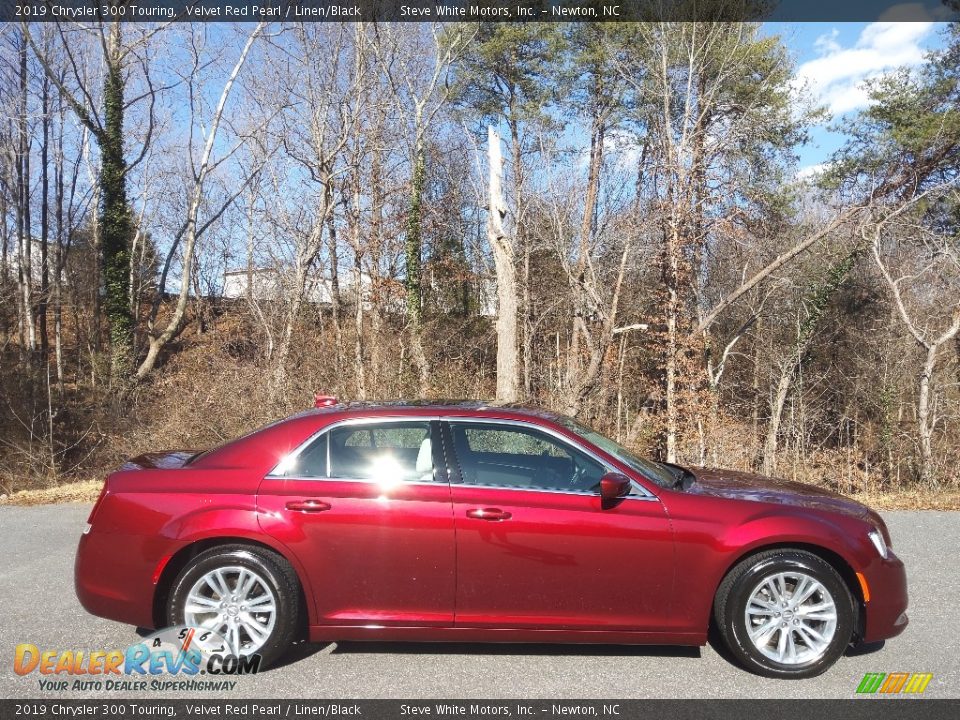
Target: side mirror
[{"x": 613, "y": 485}]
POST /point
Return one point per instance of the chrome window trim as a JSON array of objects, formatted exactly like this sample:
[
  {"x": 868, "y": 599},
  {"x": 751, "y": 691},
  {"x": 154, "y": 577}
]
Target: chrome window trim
[
  {"x": 296, "y": 452},
  {"x": 581, "y": 493},
  {"x": 365, "y": 481},
  {"x": 564, "y": 440}
]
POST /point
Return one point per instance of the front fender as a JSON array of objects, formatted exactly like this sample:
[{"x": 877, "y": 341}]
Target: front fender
[
  {"x": 783, "y": 528},
  {"x": 711, "y": 541}
]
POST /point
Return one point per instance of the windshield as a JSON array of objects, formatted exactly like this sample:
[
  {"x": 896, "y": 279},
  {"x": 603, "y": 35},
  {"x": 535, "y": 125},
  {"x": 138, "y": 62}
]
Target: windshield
[{"x": 651, "y": 470}]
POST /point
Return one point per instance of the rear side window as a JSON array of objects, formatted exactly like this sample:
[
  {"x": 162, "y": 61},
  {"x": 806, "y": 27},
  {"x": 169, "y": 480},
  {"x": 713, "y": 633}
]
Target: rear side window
[
  {"x": 312, "y": 462},
  {"x": 387, "y": 452}
]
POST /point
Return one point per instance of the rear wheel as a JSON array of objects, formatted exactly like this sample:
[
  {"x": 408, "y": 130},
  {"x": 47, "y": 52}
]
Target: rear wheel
[
  {"x": 785, "y": 614},
  {"x": 248, "y": 596}
]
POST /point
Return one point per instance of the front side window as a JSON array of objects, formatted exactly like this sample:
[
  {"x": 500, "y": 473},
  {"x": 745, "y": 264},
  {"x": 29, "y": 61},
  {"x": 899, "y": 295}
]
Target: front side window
[
  {"x": 649, "y": 469},
  {"x": 383, "y": 452},
  {"x": 508, "y": 456}
]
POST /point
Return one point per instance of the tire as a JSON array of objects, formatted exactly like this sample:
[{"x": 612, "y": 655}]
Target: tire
[
  {"x": 792, "y": 641},
  {"x": 269, "y": 581}
]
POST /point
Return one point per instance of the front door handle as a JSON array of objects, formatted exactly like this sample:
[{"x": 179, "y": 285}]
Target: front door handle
[
  {"x": 493, "y": 514},
  {"x": 308, "y": 505}
]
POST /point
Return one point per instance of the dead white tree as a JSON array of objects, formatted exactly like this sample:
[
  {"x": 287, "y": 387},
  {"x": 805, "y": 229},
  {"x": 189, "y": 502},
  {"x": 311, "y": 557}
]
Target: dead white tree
[{"x": 501, "y": 244}]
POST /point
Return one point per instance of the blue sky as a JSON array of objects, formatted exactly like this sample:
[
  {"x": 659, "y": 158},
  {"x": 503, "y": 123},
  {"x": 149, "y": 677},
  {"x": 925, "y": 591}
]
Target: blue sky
[{"x": 833, "y": 60}]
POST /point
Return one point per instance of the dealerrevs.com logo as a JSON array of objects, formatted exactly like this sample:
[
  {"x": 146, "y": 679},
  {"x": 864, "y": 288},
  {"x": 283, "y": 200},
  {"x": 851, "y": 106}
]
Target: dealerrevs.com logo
[
  {"x": 169, "y": 660},
  {"x": 894, "y": 683}
]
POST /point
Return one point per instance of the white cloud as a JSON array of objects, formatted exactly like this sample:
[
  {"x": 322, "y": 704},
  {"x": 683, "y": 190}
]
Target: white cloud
[
  {"x": 810, "y": 172},
  {"x": 836, "y": 78},
  {"x": 827, "y": 43}
]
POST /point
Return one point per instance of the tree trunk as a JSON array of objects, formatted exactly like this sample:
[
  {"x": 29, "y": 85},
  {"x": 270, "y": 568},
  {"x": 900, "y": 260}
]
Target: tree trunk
[
  {"x": 358, "y": 367},
  {"x": 769, "y": 464},
  {"x": 671, "y": 282},
  {"x": 24, "y": 234},
  {"x": 924, "y": 422},
  {"x": 58, "y": 258},
  {"x": 278, "y": 377},
  {"x": 581, "y": 380},
  {"x": 413, "y": 247},
  {"x": 503, "y": 261},
  {"x": 44, "y": 219},
  {"x": 522, "y": 239},
  {"x": 373, "y": 247},
  {"x": 4, "y": 229},
  {"x": 332, "y": 252},
  {"x": 115, "y": 224},
  {"x": 413, "y": 261},
  {"x": 356, "y": 240}
]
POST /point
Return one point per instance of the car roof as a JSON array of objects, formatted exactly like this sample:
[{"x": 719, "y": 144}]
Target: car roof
[
  {"x": 263, "y": 448},
  {"x": 433, "y": 407}
]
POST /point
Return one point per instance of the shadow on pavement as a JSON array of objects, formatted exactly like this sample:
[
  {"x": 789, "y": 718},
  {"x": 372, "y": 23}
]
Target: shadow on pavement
[
  {"x": 716, "y": 642},
  {"x": 297, "y": 652},
  {"x": 865, "y": 649}
]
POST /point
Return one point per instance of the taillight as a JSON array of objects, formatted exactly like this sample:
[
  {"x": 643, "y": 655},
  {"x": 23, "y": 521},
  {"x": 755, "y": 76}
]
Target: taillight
[{"x": 96, "y": 506}]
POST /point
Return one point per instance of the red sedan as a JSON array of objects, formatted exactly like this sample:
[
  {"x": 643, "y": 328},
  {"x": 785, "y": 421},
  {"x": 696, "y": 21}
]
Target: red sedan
[{"x": 473, "y": 522}]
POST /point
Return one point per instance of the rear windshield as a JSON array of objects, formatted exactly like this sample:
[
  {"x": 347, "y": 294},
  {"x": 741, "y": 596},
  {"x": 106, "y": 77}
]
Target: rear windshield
[{"x": 210, "y": 451}]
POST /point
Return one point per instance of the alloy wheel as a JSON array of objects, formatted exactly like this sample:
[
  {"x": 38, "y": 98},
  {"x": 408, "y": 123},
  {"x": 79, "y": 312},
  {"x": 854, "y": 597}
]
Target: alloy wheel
[
  {"x": 237, "y": 604},
  {"x": 791, "y": 618}
]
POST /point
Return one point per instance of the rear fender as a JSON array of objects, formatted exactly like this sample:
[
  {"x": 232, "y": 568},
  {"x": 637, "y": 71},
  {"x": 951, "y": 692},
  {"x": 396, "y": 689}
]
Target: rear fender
[{"x": 229, "y": 525}]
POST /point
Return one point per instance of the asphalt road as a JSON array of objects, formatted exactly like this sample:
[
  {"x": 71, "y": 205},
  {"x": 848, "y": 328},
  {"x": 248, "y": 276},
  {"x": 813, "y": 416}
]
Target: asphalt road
[{"x": 37, "y": 605}]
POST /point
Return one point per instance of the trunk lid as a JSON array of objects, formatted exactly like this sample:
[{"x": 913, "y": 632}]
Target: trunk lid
[{"x": 167, "y": 460}]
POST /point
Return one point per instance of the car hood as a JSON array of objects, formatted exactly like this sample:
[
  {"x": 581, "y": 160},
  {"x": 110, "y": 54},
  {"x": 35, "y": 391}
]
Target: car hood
[{"x": 738, "y": 485}]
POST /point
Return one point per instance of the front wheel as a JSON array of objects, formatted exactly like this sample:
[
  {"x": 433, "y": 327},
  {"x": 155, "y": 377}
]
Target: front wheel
[
  {"x": 249, "y": 597},
  {"x": 785, "y": 614}
]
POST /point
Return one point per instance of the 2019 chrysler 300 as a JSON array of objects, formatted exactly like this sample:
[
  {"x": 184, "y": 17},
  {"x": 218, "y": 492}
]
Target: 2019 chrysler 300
[{"x": 475, "y": 522}]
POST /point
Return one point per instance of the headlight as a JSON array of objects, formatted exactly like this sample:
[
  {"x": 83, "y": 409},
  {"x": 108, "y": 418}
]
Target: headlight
[{"x": 878, "y": 542}]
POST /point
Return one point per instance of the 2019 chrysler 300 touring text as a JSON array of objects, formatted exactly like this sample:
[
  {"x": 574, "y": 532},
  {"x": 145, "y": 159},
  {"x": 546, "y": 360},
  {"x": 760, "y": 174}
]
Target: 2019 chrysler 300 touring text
[{"x": 474, "y": 522}]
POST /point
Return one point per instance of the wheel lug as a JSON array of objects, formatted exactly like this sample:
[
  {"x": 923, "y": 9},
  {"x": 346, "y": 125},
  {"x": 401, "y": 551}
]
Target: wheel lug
[
  {"x": 783, "y": 624},
  {"x": 778, "y": 614}
]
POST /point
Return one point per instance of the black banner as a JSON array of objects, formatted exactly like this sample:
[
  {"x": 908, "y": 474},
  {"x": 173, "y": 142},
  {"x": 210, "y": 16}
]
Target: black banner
[
  {"x": 475, "y": 10},
  {"x": 874, "y": 708}
]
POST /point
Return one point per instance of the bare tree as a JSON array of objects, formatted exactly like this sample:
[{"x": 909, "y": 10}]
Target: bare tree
[
  {"x": 419, "y": 94},
  {"x": 322, "y": 100},
  {"x": 120, "y": 51},
  {"x": 932, "y": 268},
  {"x": 192, "y": 228}
]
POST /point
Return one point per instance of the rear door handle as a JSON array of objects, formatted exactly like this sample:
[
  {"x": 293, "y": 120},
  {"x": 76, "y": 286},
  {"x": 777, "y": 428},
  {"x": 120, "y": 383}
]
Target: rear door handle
[
  {"x": 493, "y": 514},
  {"x": 308, "y": 505}
]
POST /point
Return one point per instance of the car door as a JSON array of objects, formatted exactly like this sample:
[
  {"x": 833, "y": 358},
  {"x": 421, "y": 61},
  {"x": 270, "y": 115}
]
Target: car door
[
  {"x": 537, "y": 549},
  {"x": 365, "y": 505}
]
